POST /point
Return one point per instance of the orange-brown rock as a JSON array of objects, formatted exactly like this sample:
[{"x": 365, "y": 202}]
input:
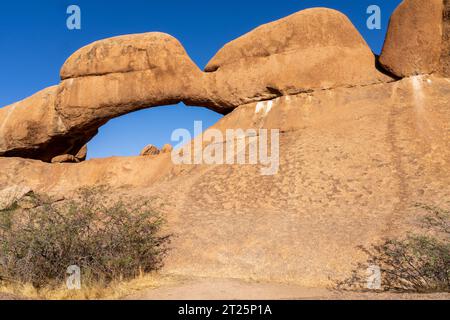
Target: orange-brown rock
[
  {"x": 119, "y": 75},
  {"x": 167, "y": 148},
  {"x": 101, "y": 81},
  {"x": 12, "y": 194},
  {"x": 309, "y": 50},
  {"x": 32, "y": 128},
  {"x": 445, "y": 54},
  {"x": 82, "y": 154},
  {"x": 414, "y": 40},
  {"x": 65, "y": 158},
  {"x": 312, "y": 49},
  {"x": 353, "y": 164},
  {"x": 150, "y": 150}
]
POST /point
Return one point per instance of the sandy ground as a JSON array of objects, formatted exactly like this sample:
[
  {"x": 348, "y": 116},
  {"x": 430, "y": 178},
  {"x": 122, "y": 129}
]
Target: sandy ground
[
  {"x": 183, "y": 288},
  {"x": 232, "y": 289}
]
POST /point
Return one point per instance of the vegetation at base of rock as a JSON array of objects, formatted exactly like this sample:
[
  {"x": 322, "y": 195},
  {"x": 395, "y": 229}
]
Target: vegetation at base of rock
[
  {"x": 107, "y": 239},
  {"x": 417, "y": 263}
]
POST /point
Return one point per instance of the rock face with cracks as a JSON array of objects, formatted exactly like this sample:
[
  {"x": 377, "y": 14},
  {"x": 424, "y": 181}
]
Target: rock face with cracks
[
  {"x": 311, "y": 50},
  {"x": 150, "y": 150},
  {"x": 358, "y": 149},
  {"x": 445, "y": 54},
  {"x": 101, "y": 81},
  {"x": 116, "y": 76},
  {"x": 33, "y": 128},
  {"x": 353, "y": 164},
  {"x": 414, "y": 43}
]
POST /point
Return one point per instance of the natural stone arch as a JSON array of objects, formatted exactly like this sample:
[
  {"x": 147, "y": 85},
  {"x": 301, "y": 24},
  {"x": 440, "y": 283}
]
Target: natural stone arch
[
  {"x": 101, "y": 81},
  {"x": 314, "y": 49}
]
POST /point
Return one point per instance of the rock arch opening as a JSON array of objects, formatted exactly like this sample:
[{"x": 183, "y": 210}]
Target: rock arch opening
[{"x": 127, "y": 135}]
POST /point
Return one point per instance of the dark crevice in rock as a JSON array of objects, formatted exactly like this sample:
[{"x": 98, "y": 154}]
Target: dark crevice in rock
[
  {"x": 445, "y": 55},
  {"x": 275, "y": 91},
  {"x": 56, "y": 146},
  {"x": 384, "y": 70}
]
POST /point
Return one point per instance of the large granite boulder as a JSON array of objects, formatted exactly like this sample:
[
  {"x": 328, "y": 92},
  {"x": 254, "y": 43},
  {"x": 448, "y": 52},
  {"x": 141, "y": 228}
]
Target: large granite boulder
[
  {"x": 82, "y": 154},
  {"x": 309, "y": 50},
  {"x": 445, "y": 54},
  {"x": 65, "y": 158},
  {"x": 150, "y": 150},
  {"x": 32, "y": 128},
  {"x": 414, "y": 40}
]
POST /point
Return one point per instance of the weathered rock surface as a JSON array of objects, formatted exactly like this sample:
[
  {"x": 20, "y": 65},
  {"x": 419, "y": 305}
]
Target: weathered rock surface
[
  {"x": 155, "y": 62},
  {"x": 312, "y": 49},
  {"x": 355, "y": 156},
  {"x": 414, "y": 40},
  {"x": 32, "y": 128},
  {"x": 167, "y": 148},
  {"x": 309, "y": 50},
  {"x": 82, "y": 154},
  {"x": 102, "y": 81},
  {"x": 65, "y": 158},
  {"x": 353, "y": 164},
  {"x": 11, "y": 194},
  {"x": 445, "y": 55},
  {"x": 116, "y": 76},
  {"x": 150, "y": 150}
]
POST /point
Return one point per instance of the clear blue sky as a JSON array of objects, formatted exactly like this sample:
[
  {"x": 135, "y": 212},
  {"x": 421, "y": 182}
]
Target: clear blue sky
[{"x": 35, "y": 43}]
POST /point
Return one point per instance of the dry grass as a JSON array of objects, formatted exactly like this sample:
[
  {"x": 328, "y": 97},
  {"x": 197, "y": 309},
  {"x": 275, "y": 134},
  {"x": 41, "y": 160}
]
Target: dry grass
[{"x": 117, "y": 289}]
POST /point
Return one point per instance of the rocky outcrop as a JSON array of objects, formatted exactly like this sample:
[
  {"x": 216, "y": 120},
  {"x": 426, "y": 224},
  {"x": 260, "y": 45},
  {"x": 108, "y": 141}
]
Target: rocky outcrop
[
  {"x": 167, "y": 148},
  {"x": 309, "y": 50},
  {"x": 68, "y": 158},
  {"x": 32, "y": 128},
  {"x": 116, "y": 76},
  {"x": 150, "y": 150},
  {"x": 11, "y": 194},
  {"x": 65, "y": 158},
  {"x": 102, "y": 81},
  {"x": 445, "y": 55},
  {"x": 414, "y": 40},
  {"x": 353, "y": 164},
  {"x": 82, "y": 154}
]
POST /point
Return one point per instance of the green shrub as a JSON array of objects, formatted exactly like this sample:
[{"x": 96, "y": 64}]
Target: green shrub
[
  {"x": 106, "y": 239},
  {"x": 417, "y": 263}
]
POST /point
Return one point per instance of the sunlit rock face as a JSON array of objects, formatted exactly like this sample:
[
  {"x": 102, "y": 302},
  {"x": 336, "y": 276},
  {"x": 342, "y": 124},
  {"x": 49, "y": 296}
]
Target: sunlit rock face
[
  {"x": 33, "y": 128},
  {"x": 353, "y": 164},
  {"x": 104, "y": 80},
  {"x": 311, "y": 50},
  {"x": 445, "y": 57},
  {"x": 414, "y": 38}
]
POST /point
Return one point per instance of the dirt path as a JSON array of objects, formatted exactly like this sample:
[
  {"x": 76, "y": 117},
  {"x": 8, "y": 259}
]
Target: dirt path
[{"x": 232, "y": 289}]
